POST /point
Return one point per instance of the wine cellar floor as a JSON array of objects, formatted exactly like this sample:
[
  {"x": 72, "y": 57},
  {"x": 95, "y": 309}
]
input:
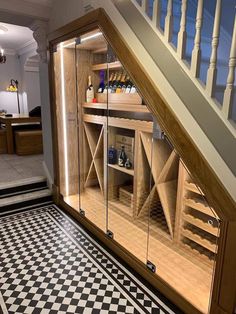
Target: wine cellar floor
[{"x": 177, "y": 266}]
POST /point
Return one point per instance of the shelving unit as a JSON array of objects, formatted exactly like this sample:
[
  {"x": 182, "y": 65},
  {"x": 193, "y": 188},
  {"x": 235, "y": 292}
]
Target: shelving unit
[{"x": 197, "y": 224}]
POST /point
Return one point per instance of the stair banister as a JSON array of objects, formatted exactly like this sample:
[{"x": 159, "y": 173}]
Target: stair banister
[
  {"x": 182, "y": 35},
  {"x": 169, "y": 21},
  {"x": 156, "y": 13},
  {"x": 144, "y": 6},
  {"x": 212, "y": 71},
  {"x": 228, "y": 95},
  {"x": 196, "y": 53}
]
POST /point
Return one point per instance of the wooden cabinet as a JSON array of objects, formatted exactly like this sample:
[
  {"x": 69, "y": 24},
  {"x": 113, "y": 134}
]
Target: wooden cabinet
[{"x": 153, "y": 209}]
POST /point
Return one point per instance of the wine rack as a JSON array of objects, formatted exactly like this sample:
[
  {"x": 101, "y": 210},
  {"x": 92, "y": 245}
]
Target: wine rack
[{"x": 198, "y": 224}]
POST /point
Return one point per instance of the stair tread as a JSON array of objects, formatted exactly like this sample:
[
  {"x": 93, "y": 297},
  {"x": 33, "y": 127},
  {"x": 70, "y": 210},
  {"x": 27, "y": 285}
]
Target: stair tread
[
  {"x": 22, "y": 182},
  {"x": 25, "y": 197}
]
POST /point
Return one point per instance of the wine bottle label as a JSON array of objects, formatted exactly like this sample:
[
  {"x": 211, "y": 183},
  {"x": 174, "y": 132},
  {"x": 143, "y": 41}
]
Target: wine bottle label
[
  {"x": 120, "y": 162},
  {"x": 133, "y": 90}
]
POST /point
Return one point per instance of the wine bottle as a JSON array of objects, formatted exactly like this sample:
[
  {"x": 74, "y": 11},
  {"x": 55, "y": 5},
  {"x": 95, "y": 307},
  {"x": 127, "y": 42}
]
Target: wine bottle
[
  {"x": 124, "y": 85},
  {"x": 108, "y": 83},
  {"x": 89, "y": 91},
  {"x": 112, "y": 155},
  {"x": 128, "y": 86},
  {"x": 122, "y": 157},
  {"x": 110, "y": 87},
  {"x": 120, "y": 84},
  {"x": 116, "y": 83},
  {"x": 128, "y": 164},
  {"x": 133, "y": 89},
  {"x": 102, "y": 84}
]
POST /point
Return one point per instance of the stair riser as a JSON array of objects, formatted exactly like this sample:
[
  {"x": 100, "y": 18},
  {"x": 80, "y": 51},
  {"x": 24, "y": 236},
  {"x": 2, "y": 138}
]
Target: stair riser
[
  {"x": 22, "y": 189},
  {"x": 25, "y": 203}
]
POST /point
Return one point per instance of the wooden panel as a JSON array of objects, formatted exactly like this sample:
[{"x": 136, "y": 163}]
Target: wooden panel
[
  {"x": 29, "y": 142},
  {"x": 3, "y": 141},
  {"x": 117, "y": 107},
  {"x": 112, "y": 66},
  {"x": 119, "y": 98}
]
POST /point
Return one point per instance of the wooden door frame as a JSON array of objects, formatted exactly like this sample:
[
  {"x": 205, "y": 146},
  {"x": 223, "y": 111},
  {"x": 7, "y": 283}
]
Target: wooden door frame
[{"x": 224, "y": 284}]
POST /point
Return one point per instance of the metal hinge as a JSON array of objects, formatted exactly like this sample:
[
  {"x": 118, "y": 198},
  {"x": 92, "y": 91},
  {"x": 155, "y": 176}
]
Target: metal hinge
[
  {"x": 82, "y": 212},
  {"x": 110, "y": 234},
  {"x": 151, "y": 266}
]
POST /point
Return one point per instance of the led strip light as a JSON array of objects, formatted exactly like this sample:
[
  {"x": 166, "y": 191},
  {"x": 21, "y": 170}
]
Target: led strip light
[{"x": 65, "y": 144}]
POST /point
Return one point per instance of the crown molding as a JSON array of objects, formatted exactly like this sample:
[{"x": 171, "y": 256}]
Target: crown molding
[
  {"x": 10, "y": 52},
  {"x": 27, "y": 47}
]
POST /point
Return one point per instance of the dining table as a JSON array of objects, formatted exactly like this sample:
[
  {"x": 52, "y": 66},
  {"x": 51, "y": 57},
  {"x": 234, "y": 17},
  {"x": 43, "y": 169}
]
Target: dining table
[{"x": 14, "y": 120}]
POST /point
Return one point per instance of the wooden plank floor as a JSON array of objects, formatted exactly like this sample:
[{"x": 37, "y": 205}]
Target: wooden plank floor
[{"x": 180, "y": 268}]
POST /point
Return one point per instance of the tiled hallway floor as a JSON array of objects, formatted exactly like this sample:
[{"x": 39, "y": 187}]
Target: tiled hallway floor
[
  {"x": 13, "y": 167},
  {"x": 49, "y": 264}
]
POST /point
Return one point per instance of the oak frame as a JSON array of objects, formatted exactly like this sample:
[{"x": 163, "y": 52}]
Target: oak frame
[{"x": 224, "y": 286}]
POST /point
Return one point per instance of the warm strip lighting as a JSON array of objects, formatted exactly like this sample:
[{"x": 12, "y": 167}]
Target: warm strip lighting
[
  {"x": 65, "y": 144},
  {"x": 91, "y": 37},
  {"x": 68, "y": 45}
]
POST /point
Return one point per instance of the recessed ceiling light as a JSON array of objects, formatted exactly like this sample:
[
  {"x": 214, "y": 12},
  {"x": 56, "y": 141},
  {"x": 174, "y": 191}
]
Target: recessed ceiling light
[{"x": 3, "y": 30}]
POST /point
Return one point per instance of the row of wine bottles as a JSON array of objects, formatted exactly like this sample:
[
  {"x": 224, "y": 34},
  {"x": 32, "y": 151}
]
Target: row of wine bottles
[{"x": 119, "y": 82}]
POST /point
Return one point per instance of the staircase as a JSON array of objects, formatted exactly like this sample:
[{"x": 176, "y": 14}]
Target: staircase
[
  {"x": 184, "y": 59},
  {"x": 24, "y": 193}
]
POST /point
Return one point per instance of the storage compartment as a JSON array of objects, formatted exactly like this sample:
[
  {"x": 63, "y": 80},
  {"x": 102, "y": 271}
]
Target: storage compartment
[
  {"x": 29, "y": 142},
  {"x": 3, "y": 141}
]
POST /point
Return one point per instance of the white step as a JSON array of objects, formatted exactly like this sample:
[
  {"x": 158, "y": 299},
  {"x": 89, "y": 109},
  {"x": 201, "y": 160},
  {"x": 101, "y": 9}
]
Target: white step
[
  {"x": 24, "y": 197},
  {"x": 22, "y": 182}
]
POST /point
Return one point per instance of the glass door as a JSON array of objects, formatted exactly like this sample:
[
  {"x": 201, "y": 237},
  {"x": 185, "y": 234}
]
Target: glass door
[
  {"x": 129, "y": 159},
  {"x": 183, "y": 228},
  {"x": 91, "y": 63}
]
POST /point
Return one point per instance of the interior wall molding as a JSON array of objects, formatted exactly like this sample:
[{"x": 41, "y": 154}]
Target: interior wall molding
[{"x": 40, "y": 31}]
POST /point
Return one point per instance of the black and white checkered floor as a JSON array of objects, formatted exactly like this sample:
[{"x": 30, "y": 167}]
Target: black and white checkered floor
[{"x": 49, "y": 264}]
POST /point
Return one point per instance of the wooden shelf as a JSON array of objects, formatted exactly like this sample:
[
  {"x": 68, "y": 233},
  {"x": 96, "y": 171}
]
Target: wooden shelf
[
  {"x": 117, "y": 107},
  {"x": 199, "y": 205},
  {"x": 201, "y": 224},
  {"x": 104, "y": 66},
  {"x": 201, "y": 240},
  {"x": 130, "y": 124},
  {"x": 122, "y": 169},
  {"x": 192, "y": 188}
]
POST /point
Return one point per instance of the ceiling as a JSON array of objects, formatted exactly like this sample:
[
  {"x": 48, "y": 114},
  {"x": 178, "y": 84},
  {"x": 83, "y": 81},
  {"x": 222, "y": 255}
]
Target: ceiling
[
  {"x": 47, "y": 3},
  {"x": 17, "y": 37}
]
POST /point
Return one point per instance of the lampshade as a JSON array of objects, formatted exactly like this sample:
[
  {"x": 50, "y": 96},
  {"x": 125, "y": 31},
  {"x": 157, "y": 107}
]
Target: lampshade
[{"x": 13, "y": 87}]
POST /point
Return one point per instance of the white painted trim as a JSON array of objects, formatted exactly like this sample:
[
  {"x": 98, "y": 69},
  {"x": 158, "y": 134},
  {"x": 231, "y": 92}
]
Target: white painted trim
[
  {"x": 10, "y": 52},
  {"x": 28, "y": 47},
  {"x": 31, "y": 68},
  {"x": 48, "y": 176}
]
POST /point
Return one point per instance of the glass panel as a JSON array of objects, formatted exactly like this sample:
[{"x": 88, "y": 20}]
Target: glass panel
[
  {"x": 129, "y": 156},
  {"x": 66, "y": 111},
  {"x": 183, "y": 229},
  {"x": 91, "y": 55}
]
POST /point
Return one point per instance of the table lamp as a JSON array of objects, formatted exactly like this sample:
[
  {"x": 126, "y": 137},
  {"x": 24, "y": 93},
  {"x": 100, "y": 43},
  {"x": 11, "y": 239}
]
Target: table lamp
[{"x": 13, "y": 87}]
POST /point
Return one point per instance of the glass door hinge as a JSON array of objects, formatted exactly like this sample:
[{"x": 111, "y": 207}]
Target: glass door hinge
[
  {"x": 110, "y": 234},
  {"x": 82, "y": 212},
  {"x": 151, "y": 266}
]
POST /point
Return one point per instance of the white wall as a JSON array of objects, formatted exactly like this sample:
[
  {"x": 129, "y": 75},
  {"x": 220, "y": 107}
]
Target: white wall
[
  {"x": 62, "y": 13},
  {"x": 9, "y": 70},
  {"x": 32, "y": 89}
]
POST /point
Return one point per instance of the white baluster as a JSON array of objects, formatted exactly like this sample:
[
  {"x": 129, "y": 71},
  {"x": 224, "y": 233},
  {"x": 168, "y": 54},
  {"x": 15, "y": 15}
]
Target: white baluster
[
  {"x": 169, "y": 21},
  {"x": 156, "y": 13},
  {"x": 144, "y": 6},
  {"x": 212, "y": 71},
  {"x": 228, "y": 95},
  {"x": 196, "y": 53},
  {"x": 182, "y": 35}
]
